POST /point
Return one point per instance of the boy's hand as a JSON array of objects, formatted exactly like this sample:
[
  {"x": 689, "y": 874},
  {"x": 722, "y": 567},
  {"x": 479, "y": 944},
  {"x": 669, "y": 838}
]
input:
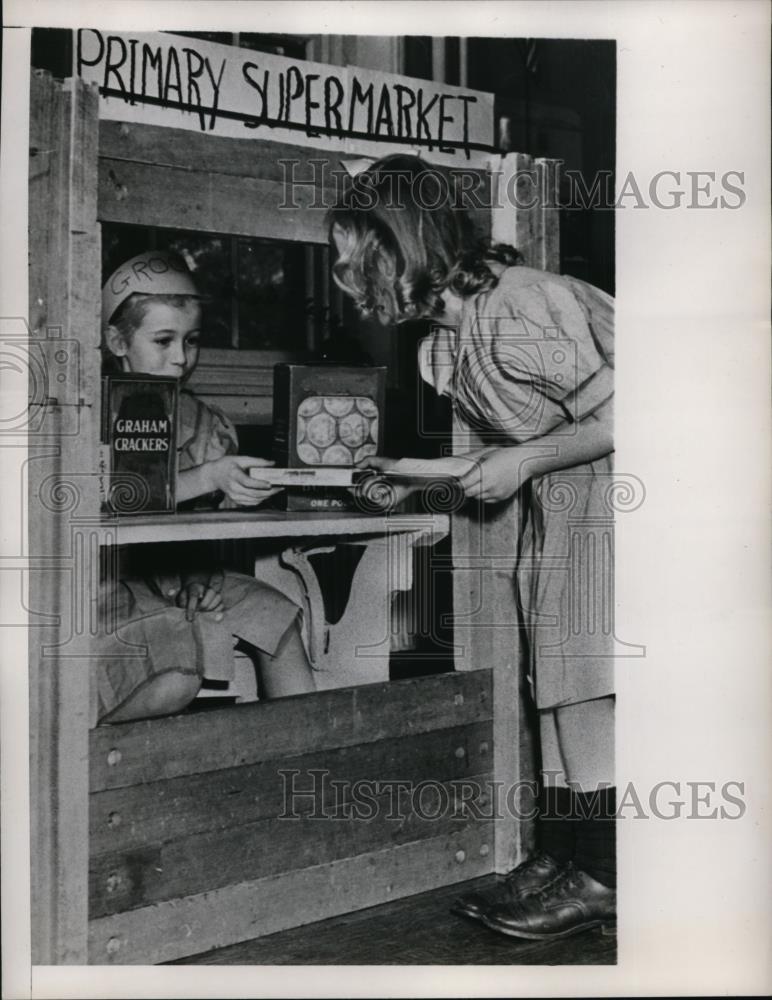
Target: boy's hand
[
  {"x": 230, "y": 475},
  {"x": 201, "y": 592}
]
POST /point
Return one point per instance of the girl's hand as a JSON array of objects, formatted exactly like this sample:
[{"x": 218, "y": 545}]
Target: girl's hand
[
  {"x": 201, "y": 592},
  {"x": 386, "y": 497},
  {"x": 378, "y": 462},
  {"x": 230, "y": 475},
  {"x": 498, "y": 473}
]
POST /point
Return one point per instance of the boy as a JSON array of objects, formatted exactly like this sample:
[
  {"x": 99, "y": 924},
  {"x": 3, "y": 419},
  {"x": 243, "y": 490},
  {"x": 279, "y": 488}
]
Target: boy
[{"x": 183, "y": 615}]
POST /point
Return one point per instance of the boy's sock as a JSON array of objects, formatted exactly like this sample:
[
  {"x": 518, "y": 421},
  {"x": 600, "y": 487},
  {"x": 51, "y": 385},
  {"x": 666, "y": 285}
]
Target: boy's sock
[
  {"x": 556, "y": 824},
  {"x": 596, "y": 835}
]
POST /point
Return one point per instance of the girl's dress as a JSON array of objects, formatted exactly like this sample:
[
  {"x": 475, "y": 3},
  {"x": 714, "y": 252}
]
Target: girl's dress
[
  {"x": 535, "y": 354},
  {"x": 142, "y": 631}
]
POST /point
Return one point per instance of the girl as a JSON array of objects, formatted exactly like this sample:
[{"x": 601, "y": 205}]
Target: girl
[
  {"x": 526, "y": 357},
  {"x": 182, "y": 618}
]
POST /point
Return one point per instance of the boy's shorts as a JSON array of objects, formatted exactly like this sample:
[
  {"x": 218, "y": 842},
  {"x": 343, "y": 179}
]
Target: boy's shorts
[{"x": 144, "y": 634}]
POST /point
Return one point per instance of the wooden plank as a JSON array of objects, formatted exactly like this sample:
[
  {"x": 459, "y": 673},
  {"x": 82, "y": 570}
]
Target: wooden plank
[
  {"x": 81, "y": 275},
  {"x": 514, "y": 761},
  {"x": 225, "y": 376},
  {"x": 239, "y": 408},
  {"x": 42, "y": 166},
  {"x": 487, "y": 628},
  {"x": 240, "y": 382},
  {"x": 506, "y": 700},
  {"x": 176, "y": 928},
  {"x": 173, "y": 198},
  {"x": 427, "y": 528},
  {"x": 166, "y": 177},
  {"x": 547, "y": 221},
  {"x": 43, "y": 536},
  {"x": 125, "y": 818},
  {"x": 196, "y": 152},
  {"x": 512, "y": 218},
  {"x": 203, "y": 862},
  {"x": 524, "y": 211},
  {"x": 255, "y": 158},
  {"x": 62, "y": 491},
  {"x": 486, "y": 631},
  {"x": 155, "y": 749},
  {"x": 416, "y": 930},
  {"x": 250, "y": 362}
]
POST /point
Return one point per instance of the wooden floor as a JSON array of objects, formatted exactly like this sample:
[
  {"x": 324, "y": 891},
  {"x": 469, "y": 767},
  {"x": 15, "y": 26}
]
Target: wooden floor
[{"x": 418, "y": 930}]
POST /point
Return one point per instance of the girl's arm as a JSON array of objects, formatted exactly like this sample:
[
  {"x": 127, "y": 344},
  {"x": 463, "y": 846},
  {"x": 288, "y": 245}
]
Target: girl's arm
[{"x": 499, "y": 472}]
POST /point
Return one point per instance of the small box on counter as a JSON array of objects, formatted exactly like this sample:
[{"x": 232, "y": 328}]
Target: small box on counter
[
  {"x": 139, "y": 444},
  {"x": 325, "y": 416}
]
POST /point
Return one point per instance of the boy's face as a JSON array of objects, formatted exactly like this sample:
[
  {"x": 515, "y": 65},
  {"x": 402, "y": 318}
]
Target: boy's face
[{"x": 166, "y": 342}]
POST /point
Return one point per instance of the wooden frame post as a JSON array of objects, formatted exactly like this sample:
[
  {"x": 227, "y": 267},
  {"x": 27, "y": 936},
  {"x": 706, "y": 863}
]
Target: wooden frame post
[
  {"x": 487, "y": 628},
  {"x": 63, "y": 503}
]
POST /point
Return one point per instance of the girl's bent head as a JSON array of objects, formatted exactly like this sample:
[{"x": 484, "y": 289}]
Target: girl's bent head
[{"x": 403, "y": 239}]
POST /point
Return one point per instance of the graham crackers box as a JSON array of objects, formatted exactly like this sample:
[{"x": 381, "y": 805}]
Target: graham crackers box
[
  {"x": 326, "y": 416},
  {"x": 139, "y": 444}
]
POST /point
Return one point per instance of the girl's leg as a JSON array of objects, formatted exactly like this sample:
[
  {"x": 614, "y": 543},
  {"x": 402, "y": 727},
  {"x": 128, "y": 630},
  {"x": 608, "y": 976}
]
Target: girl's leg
[
  {"x": 553, "y": 767},
  {"x": 554, "y": 827},
  {"x": 288, "y": 670},
  {"x": 585, "y": 734},
  {"x": 582, "y": 894}
]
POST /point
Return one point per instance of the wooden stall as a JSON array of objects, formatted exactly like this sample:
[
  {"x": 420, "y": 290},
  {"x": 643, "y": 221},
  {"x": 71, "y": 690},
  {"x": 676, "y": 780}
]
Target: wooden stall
[{"x": 161, "y": 839}]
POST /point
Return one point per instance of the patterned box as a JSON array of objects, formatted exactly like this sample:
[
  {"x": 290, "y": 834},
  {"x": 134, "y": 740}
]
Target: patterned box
[{"x": 326, "y": 415}]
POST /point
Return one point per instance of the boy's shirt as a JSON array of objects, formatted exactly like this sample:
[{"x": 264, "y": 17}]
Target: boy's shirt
[{"x": 205, "y": 433}]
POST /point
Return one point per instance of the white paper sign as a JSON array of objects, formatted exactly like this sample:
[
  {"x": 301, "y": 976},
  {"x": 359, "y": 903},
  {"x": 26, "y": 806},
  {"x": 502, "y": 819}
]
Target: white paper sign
[{"x": 165, "y": 79}]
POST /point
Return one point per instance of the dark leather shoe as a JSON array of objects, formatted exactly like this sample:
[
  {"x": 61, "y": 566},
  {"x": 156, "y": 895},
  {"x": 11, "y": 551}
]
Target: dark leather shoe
[
  {"x": 528, "y": 878},
  {"x": 571, "y": 903}
]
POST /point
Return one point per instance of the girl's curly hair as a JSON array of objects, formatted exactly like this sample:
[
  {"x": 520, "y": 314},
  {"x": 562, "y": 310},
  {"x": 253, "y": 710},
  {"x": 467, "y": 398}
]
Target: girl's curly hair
[{"x": 403, "y": 238}]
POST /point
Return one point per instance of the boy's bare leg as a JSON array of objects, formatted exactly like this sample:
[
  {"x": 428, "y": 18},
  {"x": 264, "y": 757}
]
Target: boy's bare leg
[
  {"x": 288, "y": 670},
  {"x": 165, "y": 694}
]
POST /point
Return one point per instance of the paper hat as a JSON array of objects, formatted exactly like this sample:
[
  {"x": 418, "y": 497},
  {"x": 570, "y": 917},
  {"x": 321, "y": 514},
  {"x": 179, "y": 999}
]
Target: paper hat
[{"x": 152, "y": 273}]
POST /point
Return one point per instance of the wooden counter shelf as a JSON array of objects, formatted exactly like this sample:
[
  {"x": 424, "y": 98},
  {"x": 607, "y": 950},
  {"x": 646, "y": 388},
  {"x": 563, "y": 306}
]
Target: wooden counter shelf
[
  {"x": 429, "y": 528},
  {"x": 353, "y": 647}
]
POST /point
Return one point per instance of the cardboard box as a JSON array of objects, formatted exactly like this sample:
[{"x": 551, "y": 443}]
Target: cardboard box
[
  {"x": 326, "y": 416},
  {"x": 138, "y": 468}
]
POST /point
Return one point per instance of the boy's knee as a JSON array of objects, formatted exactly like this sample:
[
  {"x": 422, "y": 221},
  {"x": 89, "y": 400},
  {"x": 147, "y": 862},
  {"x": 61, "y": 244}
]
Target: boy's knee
[
  {"x": 171, "y": 692},
  {"x": 165, "y": 694}
]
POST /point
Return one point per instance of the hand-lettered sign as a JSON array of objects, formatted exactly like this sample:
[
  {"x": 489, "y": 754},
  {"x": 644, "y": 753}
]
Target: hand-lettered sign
[{"x": 166, "y": 79}]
